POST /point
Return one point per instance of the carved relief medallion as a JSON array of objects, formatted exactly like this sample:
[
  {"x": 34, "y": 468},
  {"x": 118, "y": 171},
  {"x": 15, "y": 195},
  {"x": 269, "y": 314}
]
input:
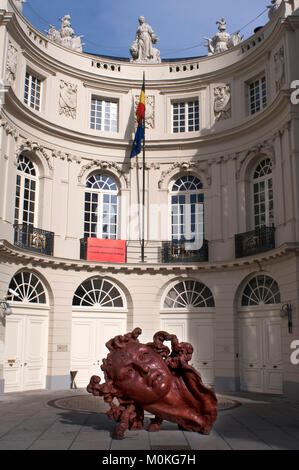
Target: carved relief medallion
[
  {"x": 149, "y": 110},
  {"x": 11, "y": 64},
  {"x": 222, "y": 102},
  {"x": 68, "y": 99},
  {"x": 279, "y": 68}
]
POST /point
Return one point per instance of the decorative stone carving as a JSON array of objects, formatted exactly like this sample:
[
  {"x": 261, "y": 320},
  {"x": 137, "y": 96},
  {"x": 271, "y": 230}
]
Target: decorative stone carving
[
  {"x": 273, "y": 8},
  {"x": 142, "y": 50},
  {"x": 102, "y": 165},
  {"x": 31, "y": 146},
  {"x": 11, "y": 64},
  {"x": 66, "y": 35},
  {"x": 151, "y": 377},
  {"x": 222, "y": 41},
  {"x": 149, "y": 110},
  {"x": 222, "y": 102},
  {"x": 185, "y": 166},
  {"x": 19, "y": 4},
  {"x": 68, "y": 99},
  {"x": 279, "y": 68}
]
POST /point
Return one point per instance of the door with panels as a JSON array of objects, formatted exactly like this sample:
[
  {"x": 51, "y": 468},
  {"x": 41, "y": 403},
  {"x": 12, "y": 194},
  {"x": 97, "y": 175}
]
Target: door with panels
[
  {"x": 188, "y": 312},
  {"x": 260, "y": 337},
  {"x": 99, "y": 314},
  {"x": 26, "y": 334}
]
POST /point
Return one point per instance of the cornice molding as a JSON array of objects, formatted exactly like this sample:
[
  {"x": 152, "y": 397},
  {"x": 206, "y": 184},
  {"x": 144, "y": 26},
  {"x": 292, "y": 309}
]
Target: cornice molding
[{"x": 23, "y": 257}]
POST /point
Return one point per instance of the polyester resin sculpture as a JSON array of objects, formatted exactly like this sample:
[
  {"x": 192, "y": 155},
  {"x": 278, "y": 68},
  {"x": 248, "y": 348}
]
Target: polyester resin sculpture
[{"x": 151, "y": 377}]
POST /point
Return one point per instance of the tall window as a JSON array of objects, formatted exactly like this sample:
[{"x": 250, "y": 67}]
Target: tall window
[
  {"x": 185, "y": 116},
  {"x": 257, "y": 95},
  {"x": 263, "y": 194},
  {"x": 32, "y": 91},
  {"x": 26, "y": 188},
  {"x": 103, "y": 116},
  {"x": 187, "y": 209},
  {"x": 101, "y": 207}
]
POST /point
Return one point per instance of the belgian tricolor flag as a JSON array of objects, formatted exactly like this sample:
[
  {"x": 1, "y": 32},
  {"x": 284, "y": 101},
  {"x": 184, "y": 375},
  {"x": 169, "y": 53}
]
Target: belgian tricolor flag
[{"x": 140, "y": 112}]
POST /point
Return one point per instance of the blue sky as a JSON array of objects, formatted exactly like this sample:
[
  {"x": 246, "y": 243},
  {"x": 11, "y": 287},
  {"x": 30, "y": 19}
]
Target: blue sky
[{"x": 109, "y": 26}]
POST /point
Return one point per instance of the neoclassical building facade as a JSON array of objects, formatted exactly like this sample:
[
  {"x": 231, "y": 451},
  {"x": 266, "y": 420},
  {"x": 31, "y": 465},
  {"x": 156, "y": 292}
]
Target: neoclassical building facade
[{"x": 222, "y": 160}]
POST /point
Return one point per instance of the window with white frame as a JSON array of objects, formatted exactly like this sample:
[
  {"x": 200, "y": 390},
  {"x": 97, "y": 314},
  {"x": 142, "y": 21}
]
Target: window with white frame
[
  {"x": 101, "y": 207},
  {"x": 26, "y": 189},
  {"x": 185, "y": 116},
  {"x": 263, "y": 194},
  {"x": 26, "y": 287},
  {"x": 103, "y": 115},
  {"x": 261, "y": 290},
  {"x": 32, "y": 91},
  {"x": 187, "y": 209},
  {"x": 99, "y": 293},
  {"x": 257, "y": 90},
  {"x": 186, "y": 295}
]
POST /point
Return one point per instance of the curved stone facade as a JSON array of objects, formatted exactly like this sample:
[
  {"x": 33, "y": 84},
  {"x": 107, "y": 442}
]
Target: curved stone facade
[{"x": 222, "y": 119}]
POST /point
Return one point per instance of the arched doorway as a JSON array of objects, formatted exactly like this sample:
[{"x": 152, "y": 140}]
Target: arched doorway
[
  {"x": 188, "y": 311},
  {"x": 26, "y": 334},
  {"x": 260, "y": 336},
  {"x": 99, "y": 314}
]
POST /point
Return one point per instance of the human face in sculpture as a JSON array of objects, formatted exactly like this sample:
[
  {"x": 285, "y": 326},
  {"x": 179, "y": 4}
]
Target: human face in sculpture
[{"x": 141, "y": 374}]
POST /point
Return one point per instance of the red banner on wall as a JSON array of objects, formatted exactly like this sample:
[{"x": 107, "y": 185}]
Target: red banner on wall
[{"x": 106, "y": 251}]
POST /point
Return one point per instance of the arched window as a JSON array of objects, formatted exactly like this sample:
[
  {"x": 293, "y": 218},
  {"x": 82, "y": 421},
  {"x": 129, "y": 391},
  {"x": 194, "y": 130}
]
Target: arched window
[
  {"x": 261, "y": 290},
  {"x": 26, "y": 287},
  {"x": 187, "y": 209},
  {"x": 189, "y": 295},
  {"x": 99, "y": 293},
  {"x": 26, "y": 190},
  {"x": 101, "y": 207},
  {"x": 263, "y": 194}
]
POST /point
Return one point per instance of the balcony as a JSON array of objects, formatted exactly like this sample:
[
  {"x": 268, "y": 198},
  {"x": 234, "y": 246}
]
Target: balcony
[
  {"x": 155, "y": 252},
  {"x": 178, "y": 252},
  {"x": 34, "y": 239},
  {"x": 257, "y": 241}
]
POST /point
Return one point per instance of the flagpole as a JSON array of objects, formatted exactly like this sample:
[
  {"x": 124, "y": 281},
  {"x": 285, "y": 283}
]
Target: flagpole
[{"x": 143, "y": 186}]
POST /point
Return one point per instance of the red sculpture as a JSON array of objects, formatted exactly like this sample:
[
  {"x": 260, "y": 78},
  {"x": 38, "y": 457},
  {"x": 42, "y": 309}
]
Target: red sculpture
[{"x": 150, "y": 377}]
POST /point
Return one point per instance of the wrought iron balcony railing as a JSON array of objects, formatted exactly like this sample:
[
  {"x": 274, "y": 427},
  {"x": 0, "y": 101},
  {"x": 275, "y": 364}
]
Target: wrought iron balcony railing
[
  {"x": 257, "y": 241},
  {"x": 159, "y": 252},
  {"x": 180, "y": 252},
  {"x": 34, "y": 239}
]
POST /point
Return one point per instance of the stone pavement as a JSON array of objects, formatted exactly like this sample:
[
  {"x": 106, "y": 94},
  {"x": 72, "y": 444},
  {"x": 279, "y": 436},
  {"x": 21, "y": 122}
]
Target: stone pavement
[{"x": 39, "y": 420}]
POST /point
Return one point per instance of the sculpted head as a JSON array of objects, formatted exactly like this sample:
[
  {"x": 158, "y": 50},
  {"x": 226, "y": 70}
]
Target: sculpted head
[
  {"x": 150, "y": 376},
  {"x": 141, "y": 19}
]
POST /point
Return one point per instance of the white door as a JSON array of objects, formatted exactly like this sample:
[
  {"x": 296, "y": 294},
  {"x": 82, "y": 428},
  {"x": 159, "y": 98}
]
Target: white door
[
  {"x": 89, "y": 336},
  {"x": 26, "y": 346},
  {"x": 261, "y": 355},
  {"x": 197, "y": 330}
]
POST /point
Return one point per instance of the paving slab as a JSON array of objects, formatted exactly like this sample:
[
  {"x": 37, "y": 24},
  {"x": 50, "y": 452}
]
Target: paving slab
[{"x": 37, "y": 421}]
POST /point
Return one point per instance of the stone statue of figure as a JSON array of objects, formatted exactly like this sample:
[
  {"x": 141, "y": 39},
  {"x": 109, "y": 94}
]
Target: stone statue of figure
[
  {"x": 142, "y": 49},
  {"x": 151, "y": 377},
  {"x": 222, "y": 41},
  {"x": 66, "y": 35},
  {"x": 273, "y": 8}
]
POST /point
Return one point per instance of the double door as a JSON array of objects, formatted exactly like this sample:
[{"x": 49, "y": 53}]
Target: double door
[
  {"x": 25, "y": 356},
  {"x": 199, "y": 331},
  {"x": 261, "y": 368},
  {"x": 89, "y": 336}
]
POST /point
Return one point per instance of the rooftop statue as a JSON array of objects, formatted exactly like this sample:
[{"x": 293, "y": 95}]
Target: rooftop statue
[
  {"x": 151, "y": 377},
  {"x": 274, "y": 7},
  {"x": 142, "y": 50},
  {"x": 66, "y": 35},
  {"x": 222, "y": 41}
]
